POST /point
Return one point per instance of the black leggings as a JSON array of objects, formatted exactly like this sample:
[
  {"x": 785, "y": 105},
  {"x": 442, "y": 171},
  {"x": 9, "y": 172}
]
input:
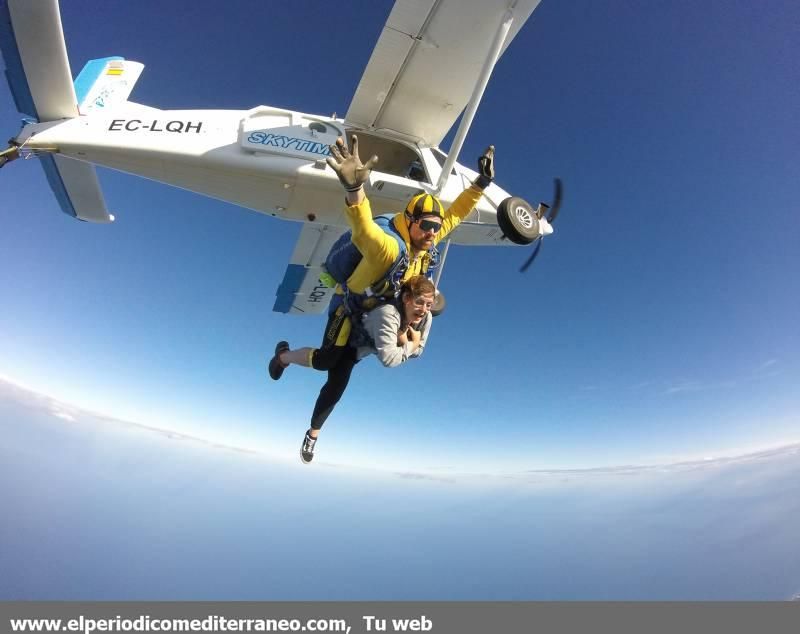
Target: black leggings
[
  {"x": 339, "y": 361},
  {"x": 331, "y": 392}
]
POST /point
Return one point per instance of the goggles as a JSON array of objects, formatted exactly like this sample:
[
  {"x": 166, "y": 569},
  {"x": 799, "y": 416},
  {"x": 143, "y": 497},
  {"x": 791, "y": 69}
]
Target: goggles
[{"x": 429, "y": 225}]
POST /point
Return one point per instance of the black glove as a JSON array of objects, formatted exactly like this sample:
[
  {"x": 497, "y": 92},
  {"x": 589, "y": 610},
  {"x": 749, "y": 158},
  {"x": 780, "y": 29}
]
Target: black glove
[
  {"x": 347, "y": 165},
  {"x": 485, "y": 168}
]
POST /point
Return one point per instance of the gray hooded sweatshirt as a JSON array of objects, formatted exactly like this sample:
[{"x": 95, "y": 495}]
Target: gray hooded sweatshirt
[{"x": 382, "y": 325}]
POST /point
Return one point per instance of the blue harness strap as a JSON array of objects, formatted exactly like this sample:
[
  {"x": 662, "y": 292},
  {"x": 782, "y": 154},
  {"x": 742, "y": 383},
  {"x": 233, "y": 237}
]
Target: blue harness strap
[{"x": 388, "y": 287}]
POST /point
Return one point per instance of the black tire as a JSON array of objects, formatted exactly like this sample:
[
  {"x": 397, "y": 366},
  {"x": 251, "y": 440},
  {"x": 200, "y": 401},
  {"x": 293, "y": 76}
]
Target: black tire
[
  {"x": 518, "y": 220},
  {"x": 438, "y": 304}
]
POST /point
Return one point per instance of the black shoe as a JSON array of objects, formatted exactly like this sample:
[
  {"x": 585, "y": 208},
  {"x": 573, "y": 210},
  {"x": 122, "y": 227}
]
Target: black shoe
[
  {"x": 307, "y": 450},
  {"x": 276, "y": 368}
]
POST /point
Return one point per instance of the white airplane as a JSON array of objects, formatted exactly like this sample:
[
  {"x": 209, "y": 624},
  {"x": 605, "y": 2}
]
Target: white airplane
[{"x": 423, "y": 73}]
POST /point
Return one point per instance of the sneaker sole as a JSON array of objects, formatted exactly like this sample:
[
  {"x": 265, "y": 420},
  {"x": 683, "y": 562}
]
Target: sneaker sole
[{"x": 276, "y": 372}]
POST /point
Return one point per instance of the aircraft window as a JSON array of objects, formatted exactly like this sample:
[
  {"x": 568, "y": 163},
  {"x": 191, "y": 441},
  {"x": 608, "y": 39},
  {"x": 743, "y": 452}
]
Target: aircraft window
[
  {"x": 316, "y": 126},
  {"x": 395, "y": 158},
  {"x": 441, "y": 157},
  {"x": 416, "y": 172}
]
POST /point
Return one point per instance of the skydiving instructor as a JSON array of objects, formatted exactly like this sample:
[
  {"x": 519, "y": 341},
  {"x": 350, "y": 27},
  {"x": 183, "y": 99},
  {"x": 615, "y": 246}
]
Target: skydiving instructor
[{"x": 388, "y": 261}]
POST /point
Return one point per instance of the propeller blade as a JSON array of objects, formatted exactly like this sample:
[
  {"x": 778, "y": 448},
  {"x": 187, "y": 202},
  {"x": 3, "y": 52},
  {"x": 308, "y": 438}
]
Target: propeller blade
[
  {"x": 532, "y": 257},
  {"x": 556, "y": 206},
  {"x": 552, "y": 212}
]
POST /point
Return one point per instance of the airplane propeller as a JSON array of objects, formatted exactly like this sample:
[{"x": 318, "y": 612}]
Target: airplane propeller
[{"x": 543, "y": 209}]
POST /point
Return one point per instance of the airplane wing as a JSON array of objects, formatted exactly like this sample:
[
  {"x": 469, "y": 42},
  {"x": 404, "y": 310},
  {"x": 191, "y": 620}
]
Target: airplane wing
[
  {"x": 38, "y": 73},
  {"x": 426, "y": 63},
  {"x": 37, "y": 67},
  {"x": 301, "y": 292}
]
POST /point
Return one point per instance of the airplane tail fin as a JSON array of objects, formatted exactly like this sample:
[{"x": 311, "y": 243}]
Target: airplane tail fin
[
  {"x": 40, "y": 79},
  {"x": 101, "y": 84},
  {"x": 105, "y": 82}
]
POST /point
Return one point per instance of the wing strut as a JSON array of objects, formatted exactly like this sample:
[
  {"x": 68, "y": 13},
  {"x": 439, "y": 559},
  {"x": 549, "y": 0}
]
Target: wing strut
[
  {"x": 441, "y": 264},
  {"x": 439, "y": 302},
  {"x": 477, "y": 94}
]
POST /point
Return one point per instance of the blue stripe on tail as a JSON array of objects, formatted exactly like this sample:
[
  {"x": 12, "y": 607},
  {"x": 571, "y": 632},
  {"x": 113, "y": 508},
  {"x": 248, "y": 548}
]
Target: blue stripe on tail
[{"x": 90, "y": 74}]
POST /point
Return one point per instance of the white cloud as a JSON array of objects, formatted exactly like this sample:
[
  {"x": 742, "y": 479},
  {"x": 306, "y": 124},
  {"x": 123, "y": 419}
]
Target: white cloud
[
  {"x": 698, "y": 386},
  {"x": 767, "y": 364},
  {"x": 410, "y": 475},
  {"x": 684, "y": 386},
  {"x": 62, "y": 414},
  {"x": 16, "y": 383}
]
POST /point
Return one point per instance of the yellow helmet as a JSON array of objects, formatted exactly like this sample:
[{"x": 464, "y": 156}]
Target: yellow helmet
[{"x": 424, "y": 205}]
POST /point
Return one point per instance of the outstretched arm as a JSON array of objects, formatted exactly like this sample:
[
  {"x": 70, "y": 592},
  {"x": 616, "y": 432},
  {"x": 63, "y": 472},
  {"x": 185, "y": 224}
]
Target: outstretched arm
[
  {"x": 369, "y": 238},
  {"x": 467, "y": 200}
]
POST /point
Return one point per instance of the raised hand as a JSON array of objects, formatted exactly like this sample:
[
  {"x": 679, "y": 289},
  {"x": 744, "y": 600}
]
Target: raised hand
[
  {"x": 485, "y": 168},
  {"x": 347, "y": 165}
]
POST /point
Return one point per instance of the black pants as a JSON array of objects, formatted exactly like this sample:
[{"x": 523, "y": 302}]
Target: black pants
[{"x": 338, "y": 359}]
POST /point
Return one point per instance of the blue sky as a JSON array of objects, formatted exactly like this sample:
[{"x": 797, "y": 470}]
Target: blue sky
[{"x": 659, "y": 322}]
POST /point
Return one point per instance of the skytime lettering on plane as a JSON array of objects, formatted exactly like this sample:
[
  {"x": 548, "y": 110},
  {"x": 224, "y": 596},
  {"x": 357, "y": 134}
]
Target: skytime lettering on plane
[
  {"x": 286, "y": 142},
  {"x": 133, "y": 125}
]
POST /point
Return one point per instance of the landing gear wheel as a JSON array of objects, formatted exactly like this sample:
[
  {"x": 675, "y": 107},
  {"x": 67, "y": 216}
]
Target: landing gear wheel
[
  {"x": 438, "y": 304},
  {"x": 518, "y": 220}
]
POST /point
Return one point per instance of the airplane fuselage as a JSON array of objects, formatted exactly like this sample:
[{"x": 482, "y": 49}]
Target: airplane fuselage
[{"x": 266, "y": 159}]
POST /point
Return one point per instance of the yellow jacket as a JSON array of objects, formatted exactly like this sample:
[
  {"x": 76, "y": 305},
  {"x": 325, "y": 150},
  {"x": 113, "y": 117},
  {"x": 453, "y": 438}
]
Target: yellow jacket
[{"x": 380, "y": 250}]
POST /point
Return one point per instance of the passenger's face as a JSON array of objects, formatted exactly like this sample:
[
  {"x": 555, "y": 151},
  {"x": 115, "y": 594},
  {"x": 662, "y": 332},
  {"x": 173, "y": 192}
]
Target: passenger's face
[
  {"x": 423, "y": 231},
  {"x": 417, "y": 307}
]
